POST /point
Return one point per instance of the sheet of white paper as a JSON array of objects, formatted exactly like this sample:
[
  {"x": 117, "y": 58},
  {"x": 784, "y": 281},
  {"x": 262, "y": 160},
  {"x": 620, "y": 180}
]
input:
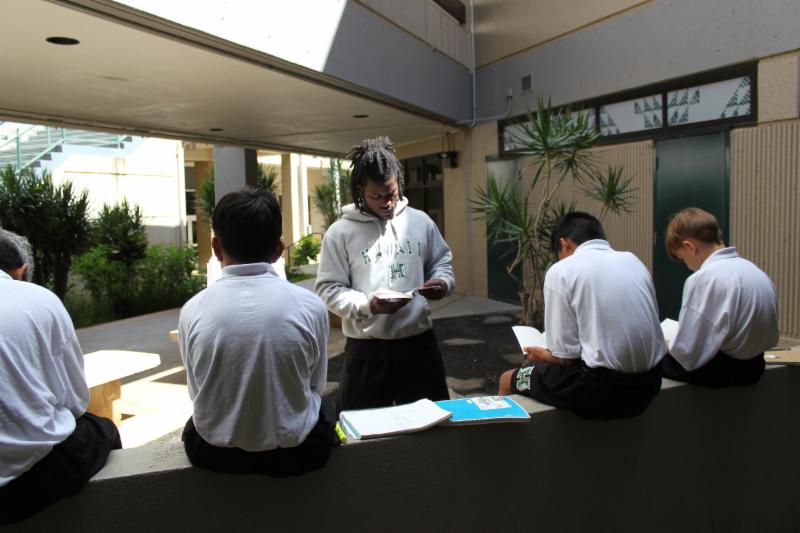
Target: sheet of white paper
[
  {"x": 397, "y": 419},
  {"x": 670, "y": 329},
  {"x": 390, "y": 295},
  {"x": 528, "y": 336}
]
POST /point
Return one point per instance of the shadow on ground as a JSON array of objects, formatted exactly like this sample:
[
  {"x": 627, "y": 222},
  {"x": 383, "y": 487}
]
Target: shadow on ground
[{"x": 475, "y": 350}]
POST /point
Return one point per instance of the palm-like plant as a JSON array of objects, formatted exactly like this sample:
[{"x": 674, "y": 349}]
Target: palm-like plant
[
  {"x": 54, "y": 219},
  {"x": 266, "y": 178},
  {"x": 557, "y": 143},
  {"x": 325, "y": 193}
]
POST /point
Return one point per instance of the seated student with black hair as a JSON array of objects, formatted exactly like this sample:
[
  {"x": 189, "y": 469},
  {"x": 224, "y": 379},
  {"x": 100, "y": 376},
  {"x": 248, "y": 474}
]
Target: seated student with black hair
[
  {"x": 729, "y": 314},
  {"x": 604, "y": 340},
  {"x": 49, "y": 445},
  {"x": 255, "y": 351}
]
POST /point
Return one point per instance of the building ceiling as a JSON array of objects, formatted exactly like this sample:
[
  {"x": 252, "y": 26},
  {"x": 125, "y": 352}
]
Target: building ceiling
[{"x": 142, "y": 79}]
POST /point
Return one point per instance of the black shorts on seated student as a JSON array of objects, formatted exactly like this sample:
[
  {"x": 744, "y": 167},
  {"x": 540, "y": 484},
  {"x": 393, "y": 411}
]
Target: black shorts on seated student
[
  {"x": 721, "y": 371},
  {"x": 596, "y": 393},
  {"x": 311, "y": 454},
  {"x": 604, "y": 340}
]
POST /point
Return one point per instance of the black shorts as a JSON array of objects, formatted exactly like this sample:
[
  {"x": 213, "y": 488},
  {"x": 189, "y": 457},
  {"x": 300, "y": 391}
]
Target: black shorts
[
  {"x": 721, "y": 371},
  {"x": 597, "y": 393},
  {"x": 383, "y": 372},
  {"x": 311, "y": 454},
  {"x": 63, "y": 471}
]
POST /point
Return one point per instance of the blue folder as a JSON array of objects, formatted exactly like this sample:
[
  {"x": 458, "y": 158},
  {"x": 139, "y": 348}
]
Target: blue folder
[{"x": 483, "y": 410}]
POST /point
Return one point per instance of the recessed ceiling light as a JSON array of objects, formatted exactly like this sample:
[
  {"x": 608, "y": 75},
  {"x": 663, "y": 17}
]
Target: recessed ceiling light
[
  {"x": 215, "y": 129},
  {"x": 360, "y": 116},
  {"x": 64, "y": 41}
]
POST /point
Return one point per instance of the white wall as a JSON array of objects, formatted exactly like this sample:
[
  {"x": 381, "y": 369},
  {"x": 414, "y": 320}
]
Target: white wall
[{"x": 149, "y": 173}]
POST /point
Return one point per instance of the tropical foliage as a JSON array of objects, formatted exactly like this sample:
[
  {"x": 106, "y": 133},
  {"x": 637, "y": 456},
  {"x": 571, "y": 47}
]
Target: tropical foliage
[
  {"x": 54, "y": 219},
  {"x": 266, "y": 178},
  {"x": 556, "y": 144},
  {"x": 325, "y": 193}
]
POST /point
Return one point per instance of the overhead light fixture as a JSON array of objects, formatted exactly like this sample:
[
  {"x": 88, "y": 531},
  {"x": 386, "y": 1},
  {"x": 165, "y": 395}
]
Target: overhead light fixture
[
  {"x": 360, "y": 116},
  {"x": 63, "y": 41},
  {"x": 215, "y": 129}
]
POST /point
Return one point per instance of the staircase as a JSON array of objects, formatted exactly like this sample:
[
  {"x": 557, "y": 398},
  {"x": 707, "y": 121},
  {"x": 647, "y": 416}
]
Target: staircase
[{"x": 25, "y": 145}]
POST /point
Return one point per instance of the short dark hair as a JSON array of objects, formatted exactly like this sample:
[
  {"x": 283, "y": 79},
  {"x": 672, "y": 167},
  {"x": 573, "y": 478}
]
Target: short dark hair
[
  {"x": 248, "y": 224},
  {"x": 373, "y": 159},
  {"x": 576, "y": 226},
  {"x": 14, "y": 252}
]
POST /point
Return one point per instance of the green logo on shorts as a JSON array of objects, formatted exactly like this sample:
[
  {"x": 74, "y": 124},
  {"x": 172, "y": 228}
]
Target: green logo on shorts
[{"x": 524, "y": 378}]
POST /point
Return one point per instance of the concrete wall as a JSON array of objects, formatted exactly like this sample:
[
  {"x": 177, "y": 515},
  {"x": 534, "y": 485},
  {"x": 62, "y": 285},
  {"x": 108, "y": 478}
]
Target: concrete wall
[
  {"x": 340, "y": 39},
  {"x": 149, "y": 173},
  {"x": 505, "y": 28},
  {"x": 661, "y": 40},
  {"x": 696, "y": 460}
]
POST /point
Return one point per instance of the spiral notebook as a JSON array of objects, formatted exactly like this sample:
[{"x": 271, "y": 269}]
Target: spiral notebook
[
  {"x": 385, "y": 421},
  {"x": 483, "y": 410}
]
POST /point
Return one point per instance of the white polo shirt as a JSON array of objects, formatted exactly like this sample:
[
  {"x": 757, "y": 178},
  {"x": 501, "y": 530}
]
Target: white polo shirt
[
  {"x": 729, "y": 305},
  {"x": 42, "y": 384},
  {"x": 255, "y": 350},
  {"x": 600, "y": 306}
]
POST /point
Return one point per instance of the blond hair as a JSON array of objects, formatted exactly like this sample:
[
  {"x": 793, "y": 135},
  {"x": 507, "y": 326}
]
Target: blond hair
[{"x": 691, "y": 223}]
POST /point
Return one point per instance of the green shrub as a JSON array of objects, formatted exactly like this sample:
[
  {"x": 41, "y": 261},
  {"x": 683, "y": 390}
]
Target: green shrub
[
  {"x": 108, "y": 281},
  {"x": 167, "y": 277},
  {"x": 307, "y": 248},
  {"x": 120, "y": 228}
]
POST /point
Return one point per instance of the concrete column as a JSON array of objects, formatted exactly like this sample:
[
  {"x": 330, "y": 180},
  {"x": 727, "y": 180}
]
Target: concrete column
[
  {"x": 291, "y": 198},
  {"x": 305, "y": 216},
  {"x": 234, "y": 167},
  {"x": 203, "y": 229}
]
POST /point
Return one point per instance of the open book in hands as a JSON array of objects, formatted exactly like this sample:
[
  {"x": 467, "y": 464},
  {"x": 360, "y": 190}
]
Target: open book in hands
[
  {"x": 528, "y": 336},
  {"x": 392, "y": 296},
  {"x": 670, "y": 329}
]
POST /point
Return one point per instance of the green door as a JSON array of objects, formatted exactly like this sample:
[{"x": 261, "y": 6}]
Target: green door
[
  {"x": 499, "y": 255},
  {"x": 690, "y": 172}
]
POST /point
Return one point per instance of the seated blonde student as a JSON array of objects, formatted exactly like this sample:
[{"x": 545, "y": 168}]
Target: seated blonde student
[
  {"x": 603, "y": 358},
  {"x": 49, "y": 445},
  {"x": 255, "y": 351},
  {"x": 729, "y": 314}
]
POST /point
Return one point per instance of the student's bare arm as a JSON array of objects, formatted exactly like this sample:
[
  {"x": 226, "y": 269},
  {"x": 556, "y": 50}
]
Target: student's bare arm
[{"x": 539, "y": 354}]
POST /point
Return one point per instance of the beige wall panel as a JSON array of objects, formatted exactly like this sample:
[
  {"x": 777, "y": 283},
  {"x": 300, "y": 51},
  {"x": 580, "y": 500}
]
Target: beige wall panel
[
  {"x": 765, "y": 195},
  {"x": 779, "y": 87},
  {"x": 428, "y": 22},
  {"x": 628, "y": 231},
  {"x": 480, "y": 143},
  {"x": 506, "y": 27}
]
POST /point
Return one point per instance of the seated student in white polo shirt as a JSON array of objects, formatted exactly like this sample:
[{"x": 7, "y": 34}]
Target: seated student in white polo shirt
[
  {"x": 729, "y": 314},
  {"x": 255, "y": 351},
  {"x": 49, "y": 445},
  {"x": 604, "y": 342}
]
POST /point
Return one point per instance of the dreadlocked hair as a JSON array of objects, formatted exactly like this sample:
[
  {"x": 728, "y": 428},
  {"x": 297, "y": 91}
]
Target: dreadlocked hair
[{"x": 373, "y": 159}]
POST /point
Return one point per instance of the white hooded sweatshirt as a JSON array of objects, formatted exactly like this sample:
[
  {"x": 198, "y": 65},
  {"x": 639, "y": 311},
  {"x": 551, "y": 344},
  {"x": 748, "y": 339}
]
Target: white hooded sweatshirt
[{"x": 362, "y": 253}]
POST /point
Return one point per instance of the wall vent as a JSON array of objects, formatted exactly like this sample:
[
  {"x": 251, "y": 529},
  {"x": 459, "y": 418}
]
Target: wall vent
[{"x": 527, "y": 83}]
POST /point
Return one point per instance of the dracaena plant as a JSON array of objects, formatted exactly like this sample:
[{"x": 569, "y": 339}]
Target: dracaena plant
[{"x": 555, "y": 144}]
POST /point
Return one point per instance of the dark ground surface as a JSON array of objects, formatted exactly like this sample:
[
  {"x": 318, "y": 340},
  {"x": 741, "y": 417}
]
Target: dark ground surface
[{"x": 479, "y": 364}]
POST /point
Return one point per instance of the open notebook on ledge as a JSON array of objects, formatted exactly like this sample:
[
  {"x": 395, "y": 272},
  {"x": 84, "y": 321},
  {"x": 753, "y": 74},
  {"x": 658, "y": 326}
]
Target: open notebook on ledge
[{"x": 385, "y": 421}]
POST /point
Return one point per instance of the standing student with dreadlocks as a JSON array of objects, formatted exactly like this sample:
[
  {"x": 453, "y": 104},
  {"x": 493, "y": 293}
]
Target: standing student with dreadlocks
[{"x": 391, "y": 354}]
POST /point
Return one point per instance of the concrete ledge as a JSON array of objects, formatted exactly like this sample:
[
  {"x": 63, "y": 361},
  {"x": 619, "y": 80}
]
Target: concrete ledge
[{"x": 697, "y": 460}]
